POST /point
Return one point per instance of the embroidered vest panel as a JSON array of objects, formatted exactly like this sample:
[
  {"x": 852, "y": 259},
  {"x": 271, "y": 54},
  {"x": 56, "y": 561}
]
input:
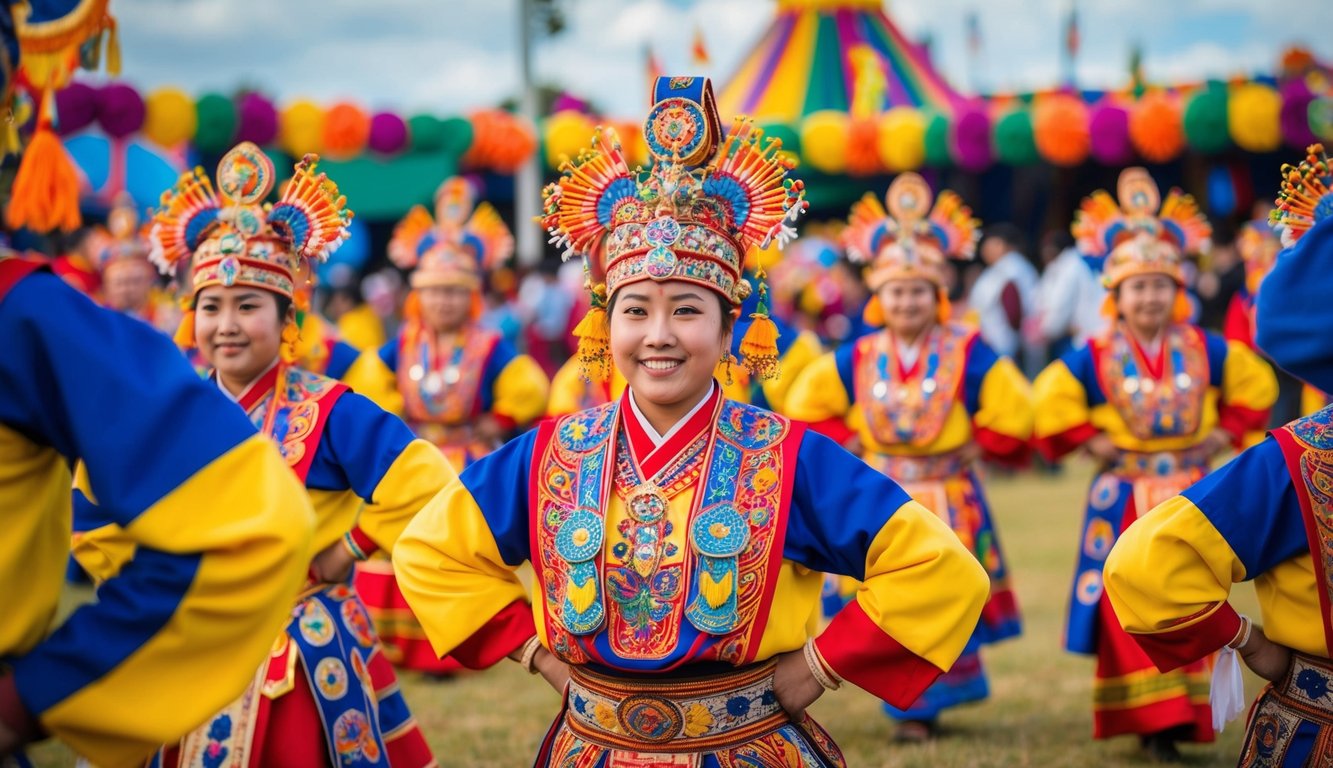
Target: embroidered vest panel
[
  {"x": 641, "y": 599},
  {"x": 1169, "y": 406},
  {"x": 442, "y": 387},
  {"x": 910, "y": 409},
  {"x": 1308, "y": 447},
  {"x": 304, "y": 400}
]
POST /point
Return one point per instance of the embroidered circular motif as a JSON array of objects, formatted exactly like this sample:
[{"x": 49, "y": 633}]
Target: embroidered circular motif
[
  {"x": 719, "y": 532},
  {"x": 663, "y": 230},
  {"x": 1267, "y": 733},
  {"x": 1088, "y": 590},
  {"x": 580, "y": 538},
  {"x": 245, "y": 174},
  {"x": 650, "y": 718},
  {"x": 228, "y": 269},
  {"x": 1100, "y": 537},
  {"x": 1105, "y": 491},
  {"x": 358, "y": 623},
  {"x": 660, "y": 263},
  {"x": 647, "y": 504},
  {"x": 675, "y": 128},
  {"x": 331, "y": 679},
  {"x": 316, "y": 624},
  {"x": 249, "y": 221},
  {"x": 581, "y": 431},
  {"x": 352, "y": 737}
]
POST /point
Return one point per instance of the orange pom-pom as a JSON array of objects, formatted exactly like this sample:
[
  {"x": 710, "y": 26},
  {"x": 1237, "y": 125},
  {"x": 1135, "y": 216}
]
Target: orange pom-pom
[
  {"x": 1182, "y": 310},
  {"x": 759, "y": 348},
  {"x": 873, "y": 314},
  {"x": 45, "y": 195}
]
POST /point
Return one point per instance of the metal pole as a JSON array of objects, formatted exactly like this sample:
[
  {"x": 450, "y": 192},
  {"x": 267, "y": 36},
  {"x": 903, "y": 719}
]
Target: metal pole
[{"x": 527, "y": 183}]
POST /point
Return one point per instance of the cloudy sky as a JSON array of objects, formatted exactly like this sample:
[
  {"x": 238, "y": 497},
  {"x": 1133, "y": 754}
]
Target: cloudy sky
[{"x": 446, "y": 56}]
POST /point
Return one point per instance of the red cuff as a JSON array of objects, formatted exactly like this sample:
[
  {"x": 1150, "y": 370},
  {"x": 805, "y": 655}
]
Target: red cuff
[
  {"x": 1239, "y": 421},
  {"x": 1054, "y": 447},
  {"x": 507, "y": 423},
  {"x": 862, "y": 653},
  {"x": 505, "y": 633},
  {"x": 364, "y": 545},
  {"x": 835, "y": 429},
  {"x": 13, "y": 714},
  {"x": 1002, "y": 449},
  {"x": 1178, "y": 647}
]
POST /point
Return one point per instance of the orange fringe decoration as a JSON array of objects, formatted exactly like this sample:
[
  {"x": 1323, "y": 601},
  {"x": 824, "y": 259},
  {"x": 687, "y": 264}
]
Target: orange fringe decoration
[
  {"x": 759, "y": 348},
  {"x": 184, "y": 337},
  {"x": 873, "y": 314},
  {"x": 594, "y": 350},
  {"x": 45, "y": 196},
  {"x": 291, "y": 336},
  {"x": 1182, "y": 309}
]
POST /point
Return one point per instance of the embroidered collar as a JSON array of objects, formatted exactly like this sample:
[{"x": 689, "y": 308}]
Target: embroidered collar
[
  {"x": 254, "y": 391},
  {"x": 644, "y": 440}
]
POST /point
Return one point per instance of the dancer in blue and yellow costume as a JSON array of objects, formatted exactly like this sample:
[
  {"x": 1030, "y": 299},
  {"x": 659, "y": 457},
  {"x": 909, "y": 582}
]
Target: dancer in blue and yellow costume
[
  {"x": 677, "y": 536},
  {"x": 923, "y": 399},
  {"x": 218, "y": 559},
  {"x": 1266, "y": 517},
  {"x": 326, "y": 693},
  {"x": 458, "y": 385},
  {"x": 1153, "y": 400}
]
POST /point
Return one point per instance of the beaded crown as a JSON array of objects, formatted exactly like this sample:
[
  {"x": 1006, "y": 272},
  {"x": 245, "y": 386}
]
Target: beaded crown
[
  {"x": 1140, "y": 233},
  {"x": 457, "y": 245},
  {"x": 907, "y": 237},
  {"x": 232, "y": 238},
  {"x": 692, "y": 215}
]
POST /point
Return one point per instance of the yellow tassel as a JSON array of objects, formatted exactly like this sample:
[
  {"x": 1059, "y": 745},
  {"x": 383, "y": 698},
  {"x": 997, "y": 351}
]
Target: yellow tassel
[
  {"x": 594, "y": 349},
  {"x": 759, "y": 348},
  {"x": 1182, "y": 309},
  {"x": 45, "y": 195},
  {"x": 184, "y": 337},
  {"x": 291, "y": 336},
  {"x": 873, "y": 314},
  {"x": 112, "y": 48},
  {"x": 715, "y": 592}
]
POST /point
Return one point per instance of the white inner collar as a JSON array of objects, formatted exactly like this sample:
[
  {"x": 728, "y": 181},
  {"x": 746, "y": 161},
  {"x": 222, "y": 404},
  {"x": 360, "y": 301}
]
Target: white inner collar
[{"x": 648, "y": 427}]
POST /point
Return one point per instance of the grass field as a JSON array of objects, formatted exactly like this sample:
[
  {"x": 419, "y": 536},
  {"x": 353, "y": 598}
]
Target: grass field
[{"x": 1039, "y": 713}]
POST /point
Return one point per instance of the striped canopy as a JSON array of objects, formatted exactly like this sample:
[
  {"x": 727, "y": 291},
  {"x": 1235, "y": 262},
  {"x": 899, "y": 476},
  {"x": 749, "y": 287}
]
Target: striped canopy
[{"x": 808, "y": 61}]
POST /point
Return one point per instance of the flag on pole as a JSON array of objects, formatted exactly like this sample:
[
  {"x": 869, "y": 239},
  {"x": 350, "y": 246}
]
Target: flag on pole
[
  {"x": 699, "y": 50},
  {"x": 1071, "y": 33}
]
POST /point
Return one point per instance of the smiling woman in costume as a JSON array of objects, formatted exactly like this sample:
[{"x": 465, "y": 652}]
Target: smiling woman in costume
[
  {"x": 326, "y": 693},
  {"x": 1152, "y": 400},
  {"x": 677, "y": 536},
  {"x": 923, "y": 399}
]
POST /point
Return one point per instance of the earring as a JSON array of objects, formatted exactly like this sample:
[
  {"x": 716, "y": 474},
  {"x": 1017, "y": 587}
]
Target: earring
[{"x": 726, "y": 362}]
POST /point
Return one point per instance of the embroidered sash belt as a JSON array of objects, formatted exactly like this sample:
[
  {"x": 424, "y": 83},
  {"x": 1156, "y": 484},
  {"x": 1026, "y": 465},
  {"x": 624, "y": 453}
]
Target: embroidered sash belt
[
  {"x": 909, "y": 469},
  {"x": 1161, "y": 463},
  {"x": 703, "y": 714},
  {"x": 1293, "y": 718},
  {"x": 1307, "y": 690}
]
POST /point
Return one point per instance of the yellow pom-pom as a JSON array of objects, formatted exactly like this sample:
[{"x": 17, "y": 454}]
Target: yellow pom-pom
[
  {"x": 594, "y": 350},
  {"x": 184, "y": 337},
  {"x": 759, "y": 348},
  {"x": 291, "y": 337}
]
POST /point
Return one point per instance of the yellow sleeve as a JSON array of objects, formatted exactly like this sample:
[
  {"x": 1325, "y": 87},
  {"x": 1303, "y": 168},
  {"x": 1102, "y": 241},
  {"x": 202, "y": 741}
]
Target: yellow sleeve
[
  {"x": 255, "y": 545},
  {"x": 521, "y": 390},
  {"x": 567, "y": 389},
  {"x": 369, "y": 376},
  {"x": 1249, "y": 389},
  {"x": 1005, "y": 402},
  {"x": 818, "y": 394},
  {"x": 1061, "y": 405},
  {"x": 449, "y": 568},
  {"x": 804, "y": 351},
  {"x": 362, "y": 328},
  {"x": 412, "y": 480}
]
